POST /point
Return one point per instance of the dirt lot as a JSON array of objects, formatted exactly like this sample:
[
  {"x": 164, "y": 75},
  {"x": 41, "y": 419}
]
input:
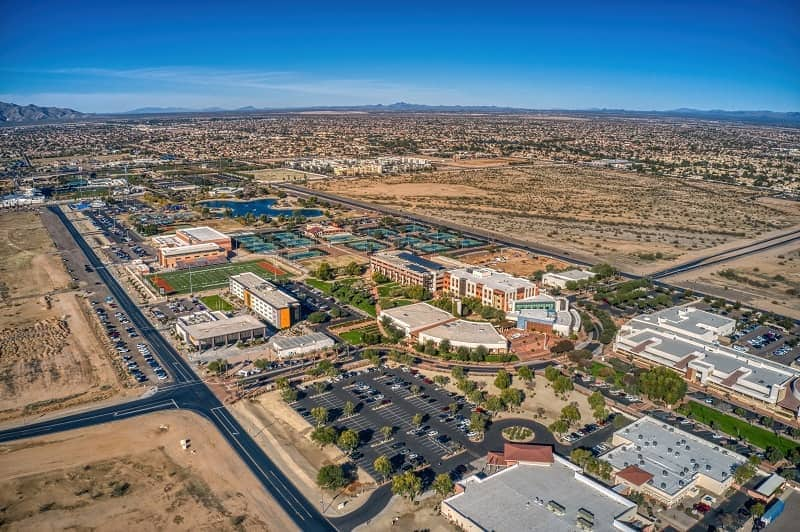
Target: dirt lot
[
  {"x": 599, "y": 214},
  {"x": 768, "y": 280},
  {"x": 512, "y": 261},
  {"x": 400, "y": 514},
  {"x": 49, "y": 356},
  {"x": 284, "y": 436},
  {"x": 540, "y": 403},
  {"x": 131, "y": 475}
]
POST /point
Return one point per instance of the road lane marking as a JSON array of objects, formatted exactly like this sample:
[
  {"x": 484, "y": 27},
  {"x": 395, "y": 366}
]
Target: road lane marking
[
  {"x": 219, "y": 413},
  {"x": 156, "y": 406}
]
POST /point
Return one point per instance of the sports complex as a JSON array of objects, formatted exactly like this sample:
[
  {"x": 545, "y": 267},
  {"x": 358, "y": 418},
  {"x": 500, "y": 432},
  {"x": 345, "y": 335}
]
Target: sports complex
[{"x": 211, "y": 277}]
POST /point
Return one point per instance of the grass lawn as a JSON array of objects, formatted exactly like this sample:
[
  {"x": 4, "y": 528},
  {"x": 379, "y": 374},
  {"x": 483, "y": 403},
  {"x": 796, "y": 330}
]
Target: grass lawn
[
  {"x": 736, "y": 427},
  {"x": 210, "y": 277},
  {"x": 325, "y": 286},
  {"x": 355, "y": 336},
  {"x": 387, "y": 289},
  {"x": 216, "y": 303}
]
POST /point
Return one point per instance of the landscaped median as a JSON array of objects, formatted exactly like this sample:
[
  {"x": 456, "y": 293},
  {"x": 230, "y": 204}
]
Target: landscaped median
[{"x": 736, "y": 427}]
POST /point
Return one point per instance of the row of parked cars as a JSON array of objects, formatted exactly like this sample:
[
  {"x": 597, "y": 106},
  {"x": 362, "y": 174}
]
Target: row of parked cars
[
  {"x": 582, "y": 432},
  {"x": 151, "y": 361}
]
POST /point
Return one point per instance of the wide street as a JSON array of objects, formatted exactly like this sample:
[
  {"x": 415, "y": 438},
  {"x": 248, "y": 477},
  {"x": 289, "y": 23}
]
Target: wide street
[{"x": 187, "y": 392}]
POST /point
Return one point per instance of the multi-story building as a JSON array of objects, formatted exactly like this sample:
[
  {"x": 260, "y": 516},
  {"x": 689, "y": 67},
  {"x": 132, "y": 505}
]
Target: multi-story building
[
  {"x": 266, "y": 300},
  {"x": 191, "y": 256},
  {"x": 665, "y": 463},
  {"x": 545, "y": 313},
  {"x": 686, "y": 340},
  {"x": 203, "y": 235},
  {"x": 409, "y": 269},
  {"x": 493, "y": 288}
]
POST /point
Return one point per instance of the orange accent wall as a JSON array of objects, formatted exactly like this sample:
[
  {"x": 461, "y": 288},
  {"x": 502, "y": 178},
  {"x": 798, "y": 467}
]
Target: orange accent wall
[
  {"x": 285, "y": 319},
  {"x": 247, "y": 299}
]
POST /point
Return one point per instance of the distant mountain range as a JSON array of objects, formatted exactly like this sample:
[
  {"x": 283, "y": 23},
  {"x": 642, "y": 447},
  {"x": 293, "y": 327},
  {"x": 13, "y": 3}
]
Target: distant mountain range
[{"x": 11, "y": 113}]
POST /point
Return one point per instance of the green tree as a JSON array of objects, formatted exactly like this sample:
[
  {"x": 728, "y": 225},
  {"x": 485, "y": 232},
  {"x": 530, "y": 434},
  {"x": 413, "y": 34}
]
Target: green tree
[
  {"x": 331, "y": 477},
  {"x": 525, "y": 373},
  {"x": 387, "y": 431},
  {"x": 348, "y": 440},
  {"x": 383, "y": 466},
  {"x": 417, "y": 420},
  {"x": 444, "y": 346},
  {"x": 551, "y": 373},
  {"x": 559, "y": 426},
  {"x": 502, "y": 380},
  {"x": 757, "y": 510},
  {"x": 457, "y": 373},
  {"x": 453, "y": 407},
  {"x": 512, "y": 397},
  {"x": 407, "y": 485},
  {"x": 281, "y": 383},
  {"x": 580, "y": 456},
  {"x": 324, "y": 435},
  {"x": 415, "y": 389},
  {"x": 320, "y": 415},
  {"x": 289, "y": 395},
  {"x": 441, "y": 380},
  {"x": 743, "y": 473},
  {"x": 353, "y": 269},
  {"x": 317, "y": 317},
  {"x": 774, "y": 455},
  {"x": 662, "y": 384},
  {"x": 218, "y": 366},
  {"x": 563, "y": 346},
  {"x": 349, "y": 409},
  {"x": 477, "y": 422},
  {"x": 442, "y": 484},
  {"x": 324, "y": 271},
  {"x": 563, "y": 384},
  {"x": 494, "y": 403},
  {"x": 570, "y": 413}
]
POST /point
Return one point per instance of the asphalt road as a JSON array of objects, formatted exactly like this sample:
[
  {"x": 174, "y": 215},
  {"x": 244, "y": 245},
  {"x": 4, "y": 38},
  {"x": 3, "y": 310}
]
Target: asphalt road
[{"x": 187, "y": 392}]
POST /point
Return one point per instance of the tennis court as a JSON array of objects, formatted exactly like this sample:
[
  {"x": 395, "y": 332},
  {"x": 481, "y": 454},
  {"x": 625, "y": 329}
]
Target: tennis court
[
  {"x": 431, "y": 248},
  {"x": 366, "y": 246},
  {"x": 302, "y": 255}
]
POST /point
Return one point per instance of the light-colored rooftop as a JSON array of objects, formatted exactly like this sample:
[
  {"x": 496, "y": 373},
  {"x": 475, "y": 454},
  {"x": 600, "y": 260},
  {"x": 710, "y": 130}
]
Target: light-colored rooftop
[
  {"x": 203, "y": 233},
  {"x": 755, "y": 375},
  {"x": 221, "y": 327},
  {"x": 690, "y": 320},
  {"x": 516, "y": 498},
  {"x": 468, "y": 332},
  {"x": 572, "y": 275},
  {"x": 672, "y": 456},
  {"x": 188, "y": 250},
  {"x": 418, "y": 315},
  {"x": 263, "y": 289},
  {"x": 280, "y": 343},
  {"x": 492, "y": 278}
]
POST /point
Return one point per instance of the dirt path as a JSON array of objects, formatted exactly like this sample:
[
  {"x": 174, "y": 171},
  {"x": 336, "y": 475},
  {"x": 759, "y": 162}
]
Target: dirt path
[{"x": 130, "y": 475}]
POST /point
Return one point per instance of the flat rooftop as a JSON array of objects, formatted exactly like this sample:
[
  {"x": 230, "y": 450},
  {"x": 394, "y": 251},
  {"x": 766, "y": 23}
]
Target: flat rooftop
[
  {"x": 210, "y": 329},
  {"x": 418, "y": 315},
  {"x": 203, "y": 233},
  {"x": 572, "y": 275},
  {"x": 688, "y": 319},
  {"x": 294, "y": 342},
  {"x": 472, "y": 332},
  {"x": 672, "y": 456},
  {"x": 188, "y": 250},
  {"x": 409, "y": 261},
  {"x": 263, "y": 289},
  {"x": 516, "y": 498},
  {"x": 492, "y": 278}
]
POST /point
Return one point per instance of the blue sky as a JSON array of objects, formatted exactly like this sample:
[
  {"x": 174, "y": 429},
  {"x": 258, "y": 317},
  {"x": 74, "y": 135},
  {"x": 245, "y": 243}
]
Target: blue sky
[{"x": 109, "y": 56}]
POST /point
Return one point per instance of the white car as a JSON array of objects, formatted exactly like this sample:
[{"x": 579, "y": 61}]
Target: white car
[{"x": 433, "y": 433}]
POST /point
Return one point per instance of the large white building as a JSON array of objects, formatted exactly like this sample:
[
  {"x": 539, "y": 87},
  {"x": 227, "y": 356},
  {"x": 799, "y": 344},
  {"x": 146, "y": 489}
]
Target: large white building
[
  {"x": 685, "y": 339},
  {"x": 288, "y": 346},
  {"x": 265, "y": 299},
  {"x": 493, "y": 288},
  {"x": 208, "y": 329},
  {"x": 560, "y": 279},
  {"x": 665, "y": 463},
  {"x": 545, "y": 313},
  {"x": 538, "y": 494}
]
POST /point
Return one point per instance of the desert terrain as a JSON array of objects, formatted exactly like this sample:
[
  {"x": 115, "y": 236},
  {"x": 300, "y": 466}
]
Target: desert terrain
[
  {"x": 512, "y": 261},
  {"x": 638, "y": 222},
  {"x": 285, "y": 437},
  {"x": 133, "y": 475},
  {"x": 50, "y": 357},
  {"x": 769, "y": 280}
]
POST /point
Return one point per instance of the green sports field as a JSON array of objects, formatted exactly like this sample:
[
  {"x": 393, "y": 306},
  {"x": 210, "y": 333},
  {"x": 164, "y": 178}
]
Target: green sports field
[{"x": 212, "y": 277}]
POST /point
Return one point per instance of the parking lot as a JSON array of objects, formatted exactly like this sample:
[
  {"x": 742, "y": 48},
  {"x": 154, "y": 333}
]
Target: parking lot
[
  {"x": 385, "y": 399},
  {"x": 767, "y": 342},
  {"x": 126, "y": 244}
]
